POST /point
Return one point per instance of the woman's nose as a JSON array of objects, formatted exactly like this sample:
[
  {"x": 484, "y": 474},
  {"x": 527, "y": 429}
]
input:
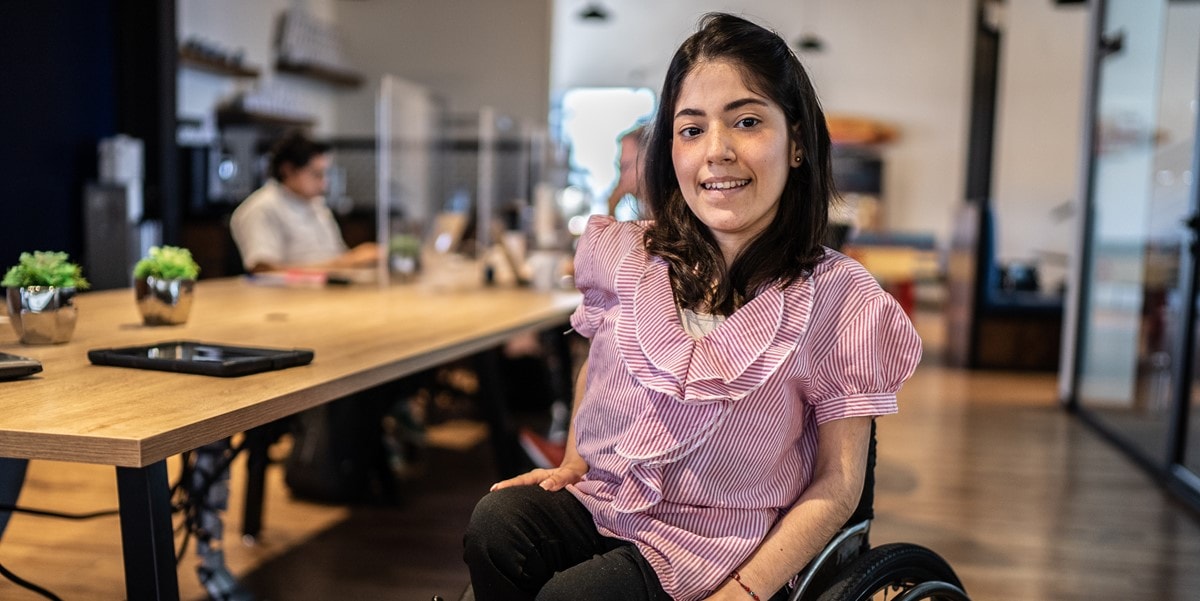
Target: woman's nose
[{"x": 720, "y": 146}]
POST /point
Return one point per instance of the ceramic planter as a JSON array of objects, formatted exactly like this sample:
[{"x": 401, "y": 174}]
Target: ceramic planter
[
  {"x": 164, "y": 302},
  {"x": 42, "y": 314}
]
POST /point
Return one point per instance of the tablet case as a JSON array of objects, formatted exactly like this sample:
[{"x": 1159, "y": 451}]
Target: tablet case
[
  {"x": 13, "y": 366},
  {"x": 204, "y": 358}
]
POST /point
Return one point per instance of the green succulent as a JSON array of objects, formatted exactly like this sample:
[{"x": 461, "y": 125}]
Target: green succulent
[
  {"x": 45, "y": 268},
  {"x": 167, "y": 263},
  {"x": 404, "y": 245}
]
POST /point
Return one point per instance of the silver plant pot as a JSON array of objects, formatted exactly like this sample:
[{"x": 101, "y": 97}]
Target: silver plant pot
[
  {"x": 42, "y": 314},
  {"x": 164, "y": 302}
]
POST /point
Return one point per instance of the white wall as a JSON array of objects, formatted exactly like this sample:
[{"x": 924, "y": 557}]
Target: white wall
[
  {"x": 250, "y": 26},
  {"x": 1037, "y": 150},
  {"x": 471, "y": 53}
]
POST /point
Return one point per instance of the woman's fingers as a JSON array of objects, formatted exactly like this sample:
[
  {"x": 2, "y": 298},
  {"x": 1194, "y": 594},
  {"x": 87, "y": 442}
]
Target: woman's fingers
[
  {"x": 528, "y": 478},
  {"x": 558, "y": 478},
  {"x": 551, "y": 480}
]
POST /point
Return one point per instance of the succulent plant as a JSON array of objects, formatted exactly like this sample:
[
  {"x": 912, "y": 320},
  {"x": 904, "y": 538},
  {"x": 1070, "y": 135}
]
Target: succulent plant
[
  {"x": 167, "y": 263},
  {"x": 45, "y": 268}
]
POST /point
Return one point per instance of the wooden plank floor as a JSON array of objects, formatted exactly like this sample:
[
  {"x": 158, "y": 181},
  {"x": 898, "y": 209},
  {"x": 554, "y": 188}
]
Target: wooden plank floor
[{"x": 1023, "y": 500}]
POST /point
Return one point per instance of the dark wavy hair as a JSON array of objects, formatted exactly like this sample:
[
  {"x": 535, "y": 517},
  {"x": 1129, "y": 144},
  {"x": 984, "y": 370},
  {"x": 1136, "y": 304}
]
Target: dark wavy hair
[
  {"x": 791, "y": 245},
  {"x": 295, "y": 149}
]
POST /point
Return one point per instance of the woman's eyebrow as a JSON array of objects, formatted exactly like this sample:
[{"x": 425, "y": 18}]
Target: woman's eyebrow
[
  {"x": 737, "y": 104},
  {"x": 732, "y": 106}
]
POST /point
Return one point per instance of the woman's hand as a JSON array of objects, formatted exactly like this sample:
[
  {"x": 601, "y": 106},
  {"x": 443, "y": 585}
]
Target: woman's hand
[{"x": 569, "y": 472}]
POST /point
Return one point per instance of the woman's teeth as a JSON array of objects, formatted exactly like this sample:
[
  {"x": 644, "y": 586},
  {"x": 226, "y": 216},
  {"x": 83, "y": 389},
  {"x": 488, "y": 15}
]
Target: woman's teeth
[{"x": 726, "y": 185}]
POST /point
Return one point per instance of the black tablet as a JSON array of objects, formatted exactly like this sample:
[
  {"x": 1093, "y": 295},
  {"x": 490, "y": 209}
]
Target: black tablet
[
  {"x": 13, "y": 366},
  {"x": 205, "y": 358}
]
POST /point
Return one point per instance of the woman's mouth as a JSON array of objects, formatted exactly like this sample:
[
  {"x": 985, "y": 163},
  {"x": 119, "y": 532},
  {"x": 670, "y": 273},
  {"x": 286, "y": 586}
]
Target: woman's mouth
[{"x": 726, "y": 185}]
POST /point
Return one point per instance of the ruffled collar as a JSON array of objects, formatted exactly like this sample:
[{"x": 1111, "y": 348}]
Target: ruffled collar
[{"x": 698, "y": 379}]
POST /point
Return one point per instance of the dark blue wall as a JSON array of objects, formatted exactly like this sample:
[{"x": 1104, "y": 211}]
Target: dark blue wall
[{"x": 57, "y": 100}]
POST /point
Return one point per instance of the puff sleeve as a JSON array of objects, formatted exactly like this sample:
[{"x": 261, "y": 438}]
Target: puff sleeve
[
  {"x": 601, "y": 248},
  {"x": 874, "y": 349}
]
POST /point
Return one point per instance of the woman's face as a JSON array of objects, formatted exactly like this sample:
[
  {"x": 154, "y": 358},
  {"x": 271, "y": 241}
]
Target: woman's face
[
  {"x": 308, "y": 181},
  {"x": 732, "y": 151}
]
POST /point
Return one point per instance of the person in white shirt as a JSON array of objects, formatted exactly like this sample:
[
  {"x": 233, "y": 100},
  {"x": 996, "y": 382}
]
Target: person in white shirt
[{"x": 286, "y": 224}]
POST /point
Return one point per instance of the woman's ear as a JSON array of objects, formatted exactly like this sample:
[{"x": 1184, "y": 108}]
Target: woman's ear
[
  {"x": 796, "y": 154},
  {"x": 286, "y": 170}
]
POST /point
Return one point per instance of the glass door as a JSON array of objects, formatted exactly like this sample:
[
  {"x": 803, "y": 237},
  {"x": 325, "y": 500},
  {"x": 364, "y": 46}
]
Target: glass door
[{"x": 1131, "y": 306}]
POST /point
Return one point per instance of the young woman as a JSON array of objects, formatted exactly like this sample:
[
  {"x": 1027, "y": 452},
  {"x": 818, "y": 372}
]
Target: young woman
[{"x": 723, "y": 417}]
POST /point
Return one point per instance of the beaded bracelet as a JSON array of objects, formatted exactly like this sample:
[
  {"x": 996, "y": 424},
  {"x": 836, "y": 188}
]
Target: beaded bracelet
[{"x": 738, "y": 579}]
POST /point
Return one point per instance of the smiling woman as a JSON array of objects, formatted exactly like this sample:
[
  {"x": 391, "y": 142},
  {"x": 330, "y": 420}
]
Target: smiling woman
[{"x": 723, "y": 315}]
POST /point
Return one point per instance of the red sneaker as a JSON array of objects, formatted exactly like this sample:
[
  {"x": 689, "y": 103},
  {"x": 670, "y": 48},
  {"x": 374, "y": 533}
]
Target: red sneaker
[{"x": 543, "y": 452}]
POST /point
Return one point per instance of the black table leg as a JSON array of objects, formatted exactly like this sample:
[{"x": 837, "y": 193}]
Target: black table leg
[
  {"x": 147, "y": 538},
  {"x": 494, "y": 397},
  {"x": 257, "y": 443}
]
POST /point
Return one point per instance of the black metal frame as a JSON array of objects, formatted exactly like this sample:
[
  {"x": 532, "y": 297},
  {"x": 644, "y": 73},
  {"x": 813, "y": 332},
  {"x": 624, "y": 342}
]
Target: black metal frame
[{"x": 147, "y": 536}]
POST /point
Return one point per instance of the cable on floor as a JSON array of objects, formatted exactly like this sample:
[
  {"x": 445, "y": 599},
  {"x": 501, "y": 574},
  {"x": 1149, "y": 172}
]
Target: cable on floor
[
  {"x": 21, "y": 582},
  {"x": 58, "y": 514}
]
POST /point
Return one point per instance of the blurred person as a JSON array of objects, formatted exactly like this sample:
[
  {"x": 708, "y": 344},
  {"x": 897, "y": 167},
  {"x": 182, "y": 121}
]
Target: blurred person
[
  {"x": 722, "y": 419},
  {"x": 548, "y": 451},
  {"x": 629, "y": 173},
  {"x": 286, "y": 223}
]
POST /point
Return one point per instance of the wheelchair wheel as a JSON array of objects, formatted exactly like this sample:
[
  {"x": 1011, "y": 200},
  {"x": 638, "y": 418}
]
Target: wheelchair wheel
[{"x": 897, "y": 572}]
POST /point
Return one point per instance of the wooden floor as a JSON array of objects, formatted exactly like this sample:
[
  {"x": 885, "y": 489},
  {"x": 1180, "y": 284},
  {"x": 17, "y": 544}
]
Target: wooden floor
[{"x": 1023, "y": 499}]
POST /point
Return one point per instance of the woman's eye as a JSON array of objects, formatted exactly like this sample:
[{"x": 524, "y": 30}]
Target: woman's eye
[
  {"x": 748, "y": 122},
  {"x": 689, "y": 132}
]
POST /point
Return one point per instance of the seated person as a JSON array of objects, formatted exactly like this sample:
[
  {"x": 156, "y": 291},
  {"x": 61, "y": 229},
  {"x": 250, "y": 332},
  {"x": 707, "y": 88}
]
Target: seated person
[
  {"x": 722, "y": 419},
  {"x": 286, "y": 224}
]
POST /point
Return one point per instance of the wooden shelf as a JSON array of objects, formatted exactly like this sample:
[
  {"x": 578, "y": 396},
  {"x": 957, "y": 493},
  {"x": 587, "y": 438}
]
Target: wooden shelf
[
  {"x": 339, "y": 77},
  {"x": 212, "y": 65}
]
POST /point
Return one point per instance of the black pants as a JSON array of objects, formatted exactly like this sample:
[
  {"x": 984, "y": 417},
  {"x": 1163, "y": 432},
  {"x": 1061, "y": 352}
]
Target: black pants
[{"x": 525, "y": 543}]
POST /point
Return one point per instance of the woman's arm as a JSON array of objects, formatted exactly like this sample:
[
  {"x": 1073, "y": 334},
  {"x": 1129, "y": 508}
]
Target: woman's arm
[
  {"x": 573, "y": 467},
  {"x": 822, "y": 509}
]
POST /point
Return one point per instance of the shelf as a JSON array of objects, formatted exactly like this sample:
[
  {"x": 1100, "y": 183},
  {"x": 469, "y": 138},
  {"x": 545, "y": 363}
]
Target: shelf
[
  {"x": 213, "y": 65},
  {"x": 238, "y": 116},
  {"x": 327, "y": 74}
]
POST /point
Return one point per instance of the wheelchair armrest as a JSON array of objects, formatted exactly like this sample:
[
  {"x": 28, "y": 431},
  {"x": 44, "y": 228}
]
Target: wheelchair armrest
[{"x": 844, "y": 547}]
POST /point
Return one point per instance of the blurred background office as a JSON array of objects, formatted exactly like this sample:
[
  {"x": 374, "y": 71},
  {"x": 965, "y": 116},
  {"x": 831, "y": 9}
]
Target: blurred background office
[{"x": 1019, "y": 173}]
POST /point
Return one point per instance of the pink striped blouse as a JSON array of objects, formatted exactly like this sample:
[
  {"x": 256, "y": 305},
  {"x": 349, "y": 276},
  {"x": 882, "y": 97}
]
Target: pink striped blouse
[{"x": 696, "y": 447}]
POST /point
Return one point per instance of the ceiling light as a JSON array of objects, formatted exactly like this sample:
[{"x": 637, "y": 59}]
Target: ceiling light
[
  {"x": 593, "y": 12},
  {"x": 810, "y": 43}
]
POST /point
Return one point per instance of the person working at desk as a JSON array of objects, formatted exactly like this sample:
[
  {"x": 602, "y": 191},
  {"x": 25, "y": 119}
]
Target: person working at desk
[
  {"x": 723, "y": 416},
  {"x": 286, "y": 224}
]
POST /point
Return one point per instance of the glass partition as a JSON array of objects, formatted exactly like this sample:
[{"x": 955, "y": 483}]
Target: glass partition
[{"x": 1132, "y": 295}]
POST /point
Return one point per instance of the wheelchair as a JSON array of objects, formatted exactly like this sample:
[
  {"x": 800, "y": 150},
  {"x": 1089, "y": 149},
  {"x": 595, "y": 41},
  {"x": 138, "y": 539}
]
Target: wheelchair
[{"x": 850, "y": 569}]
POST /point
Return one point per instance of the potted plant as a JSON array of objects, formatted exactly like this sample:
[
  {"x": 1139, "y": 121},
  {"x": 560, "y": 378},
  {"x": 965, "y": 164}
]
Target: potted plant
[
  {"x": 40, "y": 292},
  {"x": 404, "y": 251},
  {"x": 164, "y": 282}
]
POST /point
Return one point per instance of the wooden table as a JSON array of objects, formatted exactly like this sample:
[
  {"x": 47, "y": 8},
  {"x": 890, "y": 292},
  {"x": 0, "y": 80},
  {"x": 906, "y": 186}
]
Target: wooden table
[{"x": 134, "y": 419}]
